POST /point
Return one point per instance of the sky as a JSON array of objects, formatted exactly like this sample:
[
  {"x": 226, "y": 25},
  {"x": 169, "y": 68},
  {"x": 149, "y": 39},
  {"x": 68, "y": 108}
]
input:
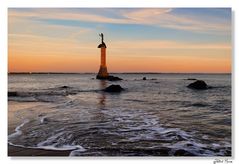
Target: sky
[{"x": 167, "y": 40}]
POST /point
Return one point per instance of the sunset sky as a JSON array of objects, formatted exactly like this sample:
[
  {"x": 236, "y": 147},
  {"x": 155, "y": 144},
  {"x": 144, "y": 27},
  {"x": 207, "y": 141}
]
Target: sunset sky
[{"x": 138, "y": 40}]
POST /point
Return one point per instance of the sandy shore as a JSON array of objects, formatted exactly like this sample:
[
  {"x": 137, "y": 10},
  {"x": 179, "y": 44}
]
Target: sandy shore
[
  {"x": 15, "y": 120},
  {"x": 14, "y": 151}
]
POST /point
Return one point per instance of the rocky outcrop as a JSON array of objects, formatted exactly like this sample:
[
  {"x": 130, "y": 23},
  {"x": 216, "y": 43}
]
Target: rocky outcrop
[
  {"x": 199, "y": 85},
  {"x": 113, "y": 88},
  {"x": 190, "y": 79},
  {"x": 110, "y": 78},
  {"x": 12, "y": 94},
  {"x": 64, "y": 87},
  {"x": 114, "y": 78}
]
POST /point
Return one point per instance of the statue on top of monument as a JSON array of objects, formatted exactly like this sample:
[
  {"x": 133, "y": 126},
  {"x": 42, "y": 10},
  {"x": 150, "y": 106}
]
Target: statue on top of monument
[
  {"x": 102, "y": 45},
  {"x": 102, "y": 37}
]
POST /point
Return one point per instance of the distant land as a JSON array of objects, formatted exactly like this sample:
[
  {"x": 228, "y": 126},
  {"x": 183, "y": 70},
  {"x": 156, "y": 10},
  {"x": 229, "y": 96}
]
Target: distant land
[{"x": 114, "y": 73}]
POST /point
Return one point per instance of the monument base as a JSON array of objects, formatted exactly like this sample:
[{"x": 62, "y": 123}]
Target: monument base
[{"x": 102, "y": 74}]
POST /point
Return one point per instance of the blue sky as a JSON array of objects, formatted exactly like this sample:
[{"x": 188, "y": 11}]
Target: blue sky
[{"x": 205, "y": 16}]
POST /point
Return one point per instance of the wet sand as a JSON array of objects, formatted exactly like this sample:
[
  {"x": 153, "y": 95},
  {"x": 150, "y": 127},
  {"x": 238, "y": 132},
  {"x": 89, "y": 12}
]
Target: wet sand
[
  {"x": 15, "y": 120},
  {"x": 14, "y": 151}
]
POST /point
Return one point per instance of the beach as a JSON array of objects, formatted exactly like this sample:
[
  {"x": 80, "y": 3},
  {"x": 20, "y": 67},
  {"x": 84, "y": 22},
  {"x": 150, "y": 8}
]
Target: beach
[{"x": 18, "y": 151}]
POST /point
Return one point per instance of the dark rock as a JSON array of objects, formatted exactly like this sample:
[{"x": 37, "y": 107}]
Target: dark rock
[
  {"x": 164, "y": 151},
  {"x": 64, "y": 87},
  {"x": 12, "y": 94},
  {"x": 45, "y": 120},
  {"x": 101, "y": 78},
  {"x": 190, "y": 79},
  {"x": 113, "y": 88},
  {"x": 199, "y": 84},
  {"x": 228, "y": 153},
  {"x": 182, "y": 152},
  {"x": 144, "y": 78},
  {"x": 114, "y": 78},
  {"x": 110, "y": 78},
  {"x": 199, "y": 105},
  {"x": 189, "y": 144}
]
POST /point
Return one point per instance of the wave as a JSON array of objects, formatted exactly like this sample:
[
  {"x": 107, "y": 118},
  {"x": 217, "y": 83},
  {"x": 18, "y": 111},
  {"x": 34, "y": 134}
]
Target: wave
[
  {"x": 18, "y": 132},
  {"x": 52, "y": 144},
  {"x": 160, "y": 142},
  {"x": 46, "y": 145},
  {"x": 45, "y": 95}
]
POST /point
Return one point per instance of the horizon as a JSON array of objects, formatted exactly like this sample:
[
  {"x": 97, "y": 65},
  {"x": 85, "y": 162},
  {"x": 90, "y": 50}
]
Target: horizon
[
  {"x": 119, "y": 73},
  {"x": 160, "y": 40}
]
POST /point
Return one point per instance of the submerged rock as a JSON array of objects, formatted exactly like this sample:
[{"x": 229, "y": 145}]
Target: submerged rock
[
  {"x": 144, "y": 78},
  {"x": 110, "y": 78},
  {"x": 113, "y": 88},
  {"x": 199, "y": 84},
  {"x": 64, "y": 87},
  {"x": 12, "y": 94},
  {"x": 114, "y": 78},
  {"x": 190, "y": 79}
]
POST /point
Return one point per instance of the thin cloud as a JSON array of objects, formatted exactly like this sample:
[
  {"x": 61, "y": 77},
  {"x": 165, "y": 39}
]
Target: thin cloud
[
  {"x": 162, "y": 17},
  {"x": 165, "y": 44},
  {"x": 166, "y": 18},
  {"x": 20, "y": 26}
]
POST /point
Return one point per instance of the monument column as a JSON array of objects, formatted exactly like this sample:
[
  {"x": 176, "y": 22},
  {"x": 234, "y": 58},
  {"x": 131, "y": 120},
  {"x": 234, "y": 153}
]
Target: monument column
[
  {"x": 103, "y": 57},
  {"x": 102, "y": 74}
]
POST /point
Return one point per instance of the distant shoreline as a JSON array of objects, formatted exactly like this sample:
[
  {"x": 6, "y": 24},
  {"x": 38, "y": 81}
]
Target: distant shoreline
[{"x": 18, "y": 73}]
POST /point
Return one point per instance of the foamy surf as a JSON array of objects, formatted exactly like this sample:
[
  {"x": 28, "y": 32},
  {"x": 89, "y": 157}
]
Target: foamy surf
[
  {"x": 44, "y": 144},
  {"x": 18, "y": 132}
]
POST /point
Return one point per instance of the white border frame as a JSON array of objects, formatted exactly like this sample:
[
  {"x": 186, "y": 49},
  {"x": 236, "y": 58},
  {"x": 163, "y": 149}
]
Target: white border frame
[{"x": 5, "y": 4}]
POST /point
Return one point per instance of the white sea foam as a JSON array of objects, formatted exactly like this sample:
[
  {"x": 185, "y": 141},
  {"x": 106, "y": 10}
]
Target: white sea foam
[
  {"x": 46, "y": 145},
  {"x": 63, "y": 147},
  {"x": 77, "y": 151},
  {"x": 75, "y": 148},
  {"x": 52, "y": 143},
  {"x": 18, "y": 132}
]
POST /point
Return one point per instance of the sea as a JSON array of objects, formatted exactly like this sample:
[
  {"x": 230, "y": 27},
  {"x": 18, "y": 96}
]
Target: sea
[{"x": 159, "y": 116}]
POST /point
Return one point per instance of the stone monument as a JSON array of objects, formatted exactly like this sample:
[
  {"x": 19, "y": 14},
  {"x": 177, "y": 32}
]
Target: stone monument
[{"x": 102, "y": 74}]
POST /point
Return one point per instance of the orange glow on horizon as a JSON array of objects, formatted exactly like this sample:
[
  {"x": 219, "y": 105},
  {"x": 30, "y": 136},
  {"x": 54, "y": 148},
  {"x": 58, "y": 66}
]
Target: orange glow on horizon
[
  {"x": 37, "y": 54},
  {"x": 90, "y": 63}
]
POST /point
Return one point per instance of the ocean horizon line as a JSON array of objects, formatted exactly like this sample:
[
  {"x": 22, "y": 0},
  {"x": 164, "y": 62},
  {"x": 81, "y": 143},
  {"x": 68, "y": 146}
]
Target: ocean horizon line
[{"x": 119, "y": 73}]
